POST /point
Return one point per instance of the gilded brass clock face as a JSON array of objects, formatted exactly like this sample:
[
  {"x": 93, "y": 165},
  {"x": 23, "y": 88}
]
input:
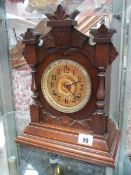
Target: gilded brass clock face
[{"x": 66, "y": 86}]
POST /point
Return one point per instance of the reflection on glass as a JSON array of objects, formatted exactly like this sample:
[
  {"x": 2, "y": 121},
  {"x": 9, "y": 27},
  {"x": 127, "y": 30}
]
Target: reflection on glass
[
  {"x": 61, "y": 165},
  {"x": 36, "y": 8}
]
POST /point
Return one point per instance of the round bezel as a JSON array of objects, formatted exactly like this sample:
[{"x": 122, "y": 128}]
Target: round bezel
[{"x": 48, "y": 96}]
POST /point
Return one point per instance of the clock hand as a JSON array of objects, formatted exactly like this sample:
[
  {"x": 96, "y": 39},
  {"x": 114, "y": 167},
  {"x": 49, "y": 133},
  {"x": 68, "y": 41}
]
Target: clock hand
[
  {"x": 73, "y": 83},
  {"x": 71, "y": 93},
  {"x": 68, "y": 88}
]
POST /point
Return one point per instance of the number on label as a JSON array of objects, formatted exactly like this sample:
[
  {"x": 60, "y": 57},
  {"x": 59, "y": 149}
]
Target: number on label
[{"x": 85, "y": 140}]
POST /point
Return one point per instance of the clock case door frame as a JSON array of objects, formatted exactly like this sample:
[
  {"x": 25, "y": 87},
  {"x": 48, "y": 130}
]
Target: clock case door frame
[{"x": 59, "y": 133}]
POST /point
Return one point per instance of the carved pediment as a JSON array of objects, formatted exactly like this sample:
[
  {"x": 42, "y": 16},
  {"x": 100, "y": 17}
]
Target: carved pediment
[{"x": 61, "y": 24}]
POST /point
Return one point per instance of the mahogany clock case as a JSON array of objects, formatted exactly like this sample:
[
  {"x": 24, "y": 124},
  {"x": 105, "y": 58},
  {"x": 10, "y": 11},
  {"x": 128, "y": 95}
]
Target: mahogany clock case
[{"x": 57, "y": 131}]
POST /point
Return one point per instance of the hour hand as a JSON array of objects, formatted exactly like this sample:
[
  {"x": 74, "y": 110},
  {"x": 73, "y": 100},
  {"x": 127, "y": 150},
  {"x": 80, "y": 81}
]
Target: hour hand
[{"x": 68, "y": 86}]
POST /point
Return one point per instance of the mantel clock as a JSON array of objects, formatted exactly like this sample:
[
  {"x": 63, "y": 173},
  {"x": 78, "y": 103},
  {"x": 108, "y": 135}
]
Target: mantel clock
[{"x": 68, "y": 84}]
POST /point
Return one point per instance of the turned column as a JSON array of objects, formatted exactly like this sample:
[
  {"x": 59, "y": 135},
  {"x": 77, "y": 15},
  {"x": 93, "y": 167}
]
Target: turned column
[
  {"x": 100, "y": 92},
  {"x": 104, "y": 54},
  {"x": 31, "y": 40}
]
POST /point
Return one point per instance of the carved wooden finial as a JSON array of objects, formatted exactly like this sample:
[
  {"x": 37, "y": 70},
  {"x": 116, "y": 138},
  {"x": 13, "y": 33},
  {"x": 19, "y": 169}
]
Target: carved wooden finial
[
  {"x": 103, "y": 34},
  {"x": 74, "y": 14},
  {"x": 61, "y": 18},
  {"x": 59, "y": 14},
  {"x": 30, "y": 36}
]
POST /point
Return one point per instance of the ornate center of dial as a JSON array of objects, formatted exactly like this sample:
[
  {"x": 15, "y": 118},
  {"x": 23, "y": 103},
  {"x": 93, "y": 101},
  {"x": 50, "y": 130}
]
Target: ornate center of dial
[{"x": 66, "y": 86}]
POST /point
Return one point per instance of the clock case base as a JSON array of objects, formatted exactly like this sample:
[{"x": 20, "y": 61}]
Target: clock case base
[{"x": 64, "y": 141}]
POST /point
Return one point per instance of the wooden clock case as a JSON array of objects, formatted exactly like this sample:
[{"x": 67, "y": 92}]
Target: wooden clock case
[{"x": 58, "y": 132}]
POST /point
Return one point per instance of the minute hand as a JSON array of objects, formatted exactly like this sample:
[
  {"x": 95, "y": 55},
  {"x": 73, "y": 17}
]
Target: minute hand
[
  {"x": 75, "y": 97},
  {"x": 73, "y": 83},
  {"x": 71, "y": 92}
]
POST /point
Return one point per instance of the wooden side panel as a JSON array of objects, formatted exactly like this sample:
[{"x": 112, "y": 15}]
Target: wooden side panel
[
  {"x": 35, "y": 113},
  {"x": 101, "y": 55}
]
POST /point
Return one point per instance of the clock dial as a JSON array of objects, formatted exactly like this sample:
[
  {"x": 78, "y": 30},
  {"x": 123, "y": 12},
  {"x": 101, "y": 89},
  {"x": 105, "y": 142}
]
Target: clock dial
[{"x": 66, "y": 86}]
